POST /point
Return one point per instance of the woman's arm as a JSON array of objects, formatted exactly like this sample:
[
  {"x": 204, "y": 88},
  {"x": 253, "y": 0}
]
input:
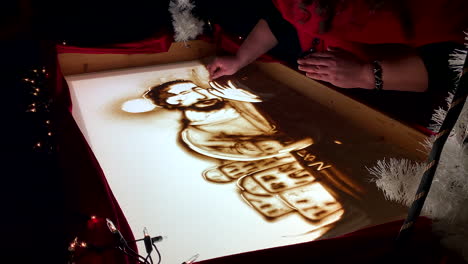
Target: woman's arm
[
  {"x": 402, "y": 69},
  {"x": 259, "y": 41}
]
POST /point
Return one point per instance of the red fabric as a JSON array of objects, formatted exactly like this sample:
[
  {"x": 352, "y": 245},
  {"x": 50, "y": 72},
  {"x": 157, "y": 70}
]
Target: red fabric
[
  {"x": 425, "y": 130},
  {"x": 156, "y": 44},
  {"x": 88, "y": 192},
  {"x": 355, "y": 27}
]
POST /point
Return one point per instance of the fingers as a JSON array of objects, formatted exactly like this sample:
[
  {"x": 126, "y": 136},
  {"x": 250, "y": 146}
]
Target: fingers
[
  {"x": 223, "y": 66},
  {"x": 216, "y": 69},
  {"x": 313, "y": 68},
  {"x": 335, "y": 50},
  {"x": 213, "y": 69},
  {"x": 218, "y": 72},
  {"x": 320, "y": 54},
  {"x": 317, "y": 65},
  {"x": 326, "y": 58},
  {"x": 312, "y": 60},
  {"x": 318, "y": 76},
  {"x": 316, "y": 72}
]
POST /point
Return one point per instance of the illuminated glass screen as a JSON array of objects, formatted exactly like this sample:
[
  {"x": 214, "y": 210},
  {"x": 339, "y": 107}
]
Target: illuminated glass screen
[{"x": 222, "y": 167}]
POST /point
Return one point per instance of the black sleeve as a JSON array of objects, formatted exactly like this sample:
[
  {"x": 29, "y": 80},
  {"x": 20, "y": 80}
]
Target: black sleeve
[
  {"x": 441, "y": 77},
  {"x": 288, "y": 47},
  {"x": 281, "y": 28}
]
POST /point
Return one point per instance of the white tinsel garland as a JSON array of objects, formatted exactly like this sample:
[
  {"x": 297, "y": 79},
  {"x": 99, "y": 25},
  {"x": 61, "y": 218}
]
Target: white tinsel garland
[
  {"x": 447, "y": 200},
  {"x": 186, "y": 25}
]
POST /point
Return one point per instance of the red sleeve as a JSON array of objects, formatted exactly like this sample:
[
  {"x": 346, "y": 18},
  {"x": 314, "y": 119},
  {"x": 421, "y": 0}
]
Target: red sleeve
[
  {"x": 438, "y": 21},
  {"x": 432, "y": 21}
]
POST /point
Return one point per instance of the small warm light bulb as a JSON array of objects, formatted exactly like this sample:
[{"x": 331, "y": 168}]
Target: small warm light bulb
[
  {"x": 50, "y": 134},
  {"x": 64, "y": 43},
  {"x": 26, "y": 79},
  {"x": 73, "y": 244},
  {"x": 83, "y": 244},
  {"x": 138, "y": 106},
  {"x": 34, "y": 70},
  {"x": 38, "y": 144},
  {"x": 111, "y": 226},
  {"x": 338, "y": 142},
  {"x": 35, "y": 94},
  {"x": 71, "y": 247},
  {"x": 192, "y": 259},
  {"x": 93, "y": 216},
  {"x": 37, "y": 89},
  {"x": 145, "y": 232},
  {"x": 47, "y": 122},
  {"x": 43, "y": 70}
]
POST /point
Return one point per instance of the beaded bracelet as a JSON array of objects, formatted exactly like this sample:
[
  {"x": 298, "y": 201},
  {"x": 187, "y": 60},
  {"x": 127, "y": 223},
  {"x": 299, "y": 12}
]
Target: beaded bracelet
[{"x": 377, "y": 68}]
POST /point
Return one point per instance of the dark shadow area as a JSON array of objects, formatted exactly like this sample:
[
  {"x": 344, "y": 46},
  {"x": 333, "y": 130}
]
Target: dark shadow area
[
  {"x": 94, "y": 23},
  {"x": 32, "y": 191},
  {"x": 240, "y": 17}
]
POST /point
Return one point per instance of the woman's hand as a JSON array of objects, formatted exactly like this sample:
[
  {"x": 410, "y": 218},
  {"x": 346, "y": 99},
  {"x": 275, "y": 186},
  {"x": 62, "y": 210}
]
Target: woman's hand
[
  {"x": 338, "y": 67},
  {"x": 259, "y": 41},
  {"x": 221, "y": 66}
]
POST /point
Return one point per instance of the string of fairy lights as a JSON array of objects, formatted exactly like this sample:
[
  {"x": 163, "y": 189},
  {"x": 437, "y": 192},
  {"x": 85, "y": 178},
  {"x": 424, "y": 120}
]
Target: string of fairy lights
[{"x": 39, "y": 102}]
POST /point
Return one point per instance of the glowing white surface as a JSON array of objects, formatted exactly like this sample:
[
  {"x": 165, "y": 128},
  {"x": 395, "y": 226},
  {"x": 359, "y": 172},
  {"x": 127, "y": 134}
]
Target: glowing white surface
[{"x": 158, "y": 183}]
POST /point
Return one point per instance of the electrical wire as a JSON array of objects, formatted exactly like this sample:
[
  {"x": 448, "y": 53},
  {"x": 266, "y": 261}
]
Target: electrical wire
[
  {"x": 133, "y": 254},
  {"x": 146, "y": 259},
  {"x": 133, "y": 251},
  {"x": 157, "y": 251},
  {"x": 136, "y": 240},
  {"x": 130, "y": 255}
]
